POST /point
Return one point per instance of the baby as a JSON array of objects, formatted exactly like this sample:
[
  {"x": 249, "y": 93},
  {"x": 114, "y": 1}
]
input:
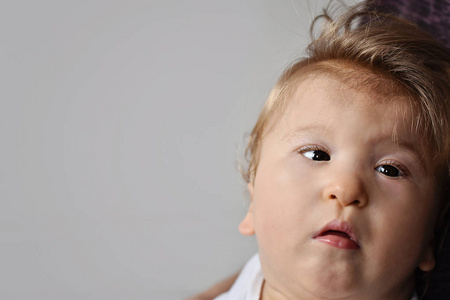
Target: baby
[{"x": 349, "y": 166}]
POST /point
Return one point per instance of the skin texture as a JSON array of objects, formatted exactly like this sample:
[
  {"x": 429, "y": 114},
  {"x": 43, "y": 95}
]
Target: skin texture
[{"x": 342, "y": 155}]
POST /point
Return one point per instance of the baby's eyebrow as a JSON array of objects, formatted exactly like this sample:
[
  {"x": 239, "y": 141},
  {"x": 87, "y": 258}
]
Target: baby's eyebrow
[{"x": 316, "y": 129}]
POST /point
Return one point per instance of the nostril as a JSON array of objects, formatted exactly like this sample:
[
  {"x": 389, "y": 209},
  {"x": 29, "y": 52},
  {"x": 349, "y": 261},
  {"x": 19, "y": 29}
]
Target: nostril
[{"x": 332, "y": 196}]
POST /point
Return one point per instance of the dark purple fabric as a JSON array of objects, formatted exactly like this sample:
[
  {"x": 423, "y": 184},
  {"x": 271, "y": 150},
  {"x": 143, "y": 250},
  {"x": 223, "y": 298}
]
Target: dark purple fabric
[{"x": 431, "y": 15}]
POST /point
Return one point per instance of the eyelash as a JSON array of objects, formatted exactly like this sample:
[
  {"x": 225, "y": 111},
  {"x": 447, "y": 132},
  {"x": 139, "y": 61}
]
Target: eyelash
[
  {"x": 311, "y": 148},
  {"x": 404, "y": 173}
]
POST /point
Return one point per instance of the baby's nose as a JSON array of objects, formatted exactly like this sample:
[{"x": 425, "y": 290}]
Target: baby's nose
[{"x": 348, "y": 189}]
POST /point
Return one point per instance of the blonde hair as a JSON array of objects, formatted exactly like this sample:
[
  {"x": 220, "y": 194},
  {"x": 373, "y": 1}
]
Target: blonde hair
[{"x": 389, "y": 52}]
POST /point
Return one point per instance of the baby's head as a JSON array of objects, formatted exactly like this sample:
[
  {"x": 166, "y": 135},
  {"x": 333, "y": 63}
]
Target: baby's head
[{"x": 349, "y": 163}]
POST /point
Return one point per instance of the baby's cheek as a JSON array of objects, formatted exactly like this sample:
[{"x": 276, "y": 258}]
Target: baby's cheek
[
  {"x": 275, "y": 228},
  {"x": 266, "y": 224}
]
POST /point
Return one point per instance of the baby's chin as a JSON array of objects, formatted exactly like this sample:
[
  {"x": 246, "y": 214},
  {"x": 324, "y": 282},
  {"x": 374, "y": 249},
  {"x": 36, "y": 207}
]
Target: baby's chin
[
  {"x": 330, "y": 285},
  {"x": 309, "y": 289},
  {"x": 321, "y": 281}
]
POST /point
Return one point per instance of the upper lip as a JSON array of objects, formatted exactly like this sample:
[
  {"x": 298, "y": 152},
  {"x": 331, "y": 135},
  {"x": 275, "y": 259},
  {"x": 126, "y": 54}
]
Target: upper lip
[{"x": 337, "y": 225}]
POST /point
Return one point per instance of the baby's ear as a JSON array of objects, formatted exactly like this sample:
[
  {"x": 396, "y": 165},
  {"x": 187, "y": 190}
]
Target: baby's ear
[
  {"x": 246, "y": 227},
  {"x": 427, "y": 261}
]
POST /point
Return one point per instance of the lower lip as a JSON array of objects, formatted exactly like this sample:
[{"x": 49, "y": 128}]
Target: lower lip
[{"x": 337, "y": 241}]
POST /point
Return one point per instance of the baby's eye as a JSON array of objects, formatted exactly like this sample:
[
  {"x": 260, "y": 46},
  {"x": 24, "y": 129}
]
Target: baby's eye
[
  {"x": 316, "y": 154},
  {"x": 390, "y": 171}
]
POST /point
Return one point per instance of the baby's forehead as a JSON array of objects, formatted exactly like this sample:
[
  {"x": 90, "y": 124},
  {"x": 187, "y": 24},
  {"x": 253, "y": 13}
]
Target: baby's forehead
[
  {"x": 352, "y": 90},
  {"x": 378, "y": 87}
]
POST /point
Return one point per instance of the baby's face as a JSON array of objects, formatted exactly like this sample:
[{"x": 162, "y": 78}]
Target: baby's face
[{"x": 341, "y": 209}]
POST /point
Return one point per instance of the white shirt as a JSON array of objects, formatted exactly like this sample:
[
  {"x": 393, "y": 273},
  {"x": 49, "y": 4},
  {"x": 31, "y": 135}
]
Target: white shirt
[{"x": 248, "y": 285}]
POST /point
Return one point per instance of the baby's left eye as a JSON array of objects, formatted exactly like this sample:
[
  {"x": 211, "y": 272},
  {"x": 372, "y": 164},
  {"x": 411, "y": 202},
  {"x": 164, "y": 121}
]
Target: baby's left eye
[
  {"x": 390, "y": 171},
  {"x": 317, "y": 155}
]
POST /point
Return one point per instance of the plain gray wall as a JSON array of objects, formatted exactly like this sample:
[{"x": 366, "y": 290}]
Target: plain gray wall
[{"x": 122, "y": 123}]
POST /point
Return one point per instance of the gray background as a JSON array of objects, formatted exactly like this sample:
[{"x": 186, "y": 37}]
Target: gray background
[{"x": 122, "y": 123}]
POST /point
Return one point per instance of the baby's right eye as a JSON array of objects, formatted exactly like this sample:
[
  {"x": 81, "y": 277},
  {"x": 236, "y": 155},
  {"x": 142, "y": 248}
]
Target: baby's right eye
[{"x": 314, "y": 154}]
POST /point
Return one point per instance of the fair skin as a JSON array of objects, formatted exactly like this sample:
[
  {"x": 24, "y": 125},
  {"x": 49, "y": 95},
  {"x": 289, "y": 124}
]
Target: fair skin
[{"x": 331, "y": 160}]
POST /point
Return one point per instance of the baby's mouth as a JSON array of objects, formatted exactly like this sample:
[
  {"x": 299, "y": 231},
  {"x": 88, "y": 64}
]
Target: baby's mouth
[{"x": 338, "y": 234}]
